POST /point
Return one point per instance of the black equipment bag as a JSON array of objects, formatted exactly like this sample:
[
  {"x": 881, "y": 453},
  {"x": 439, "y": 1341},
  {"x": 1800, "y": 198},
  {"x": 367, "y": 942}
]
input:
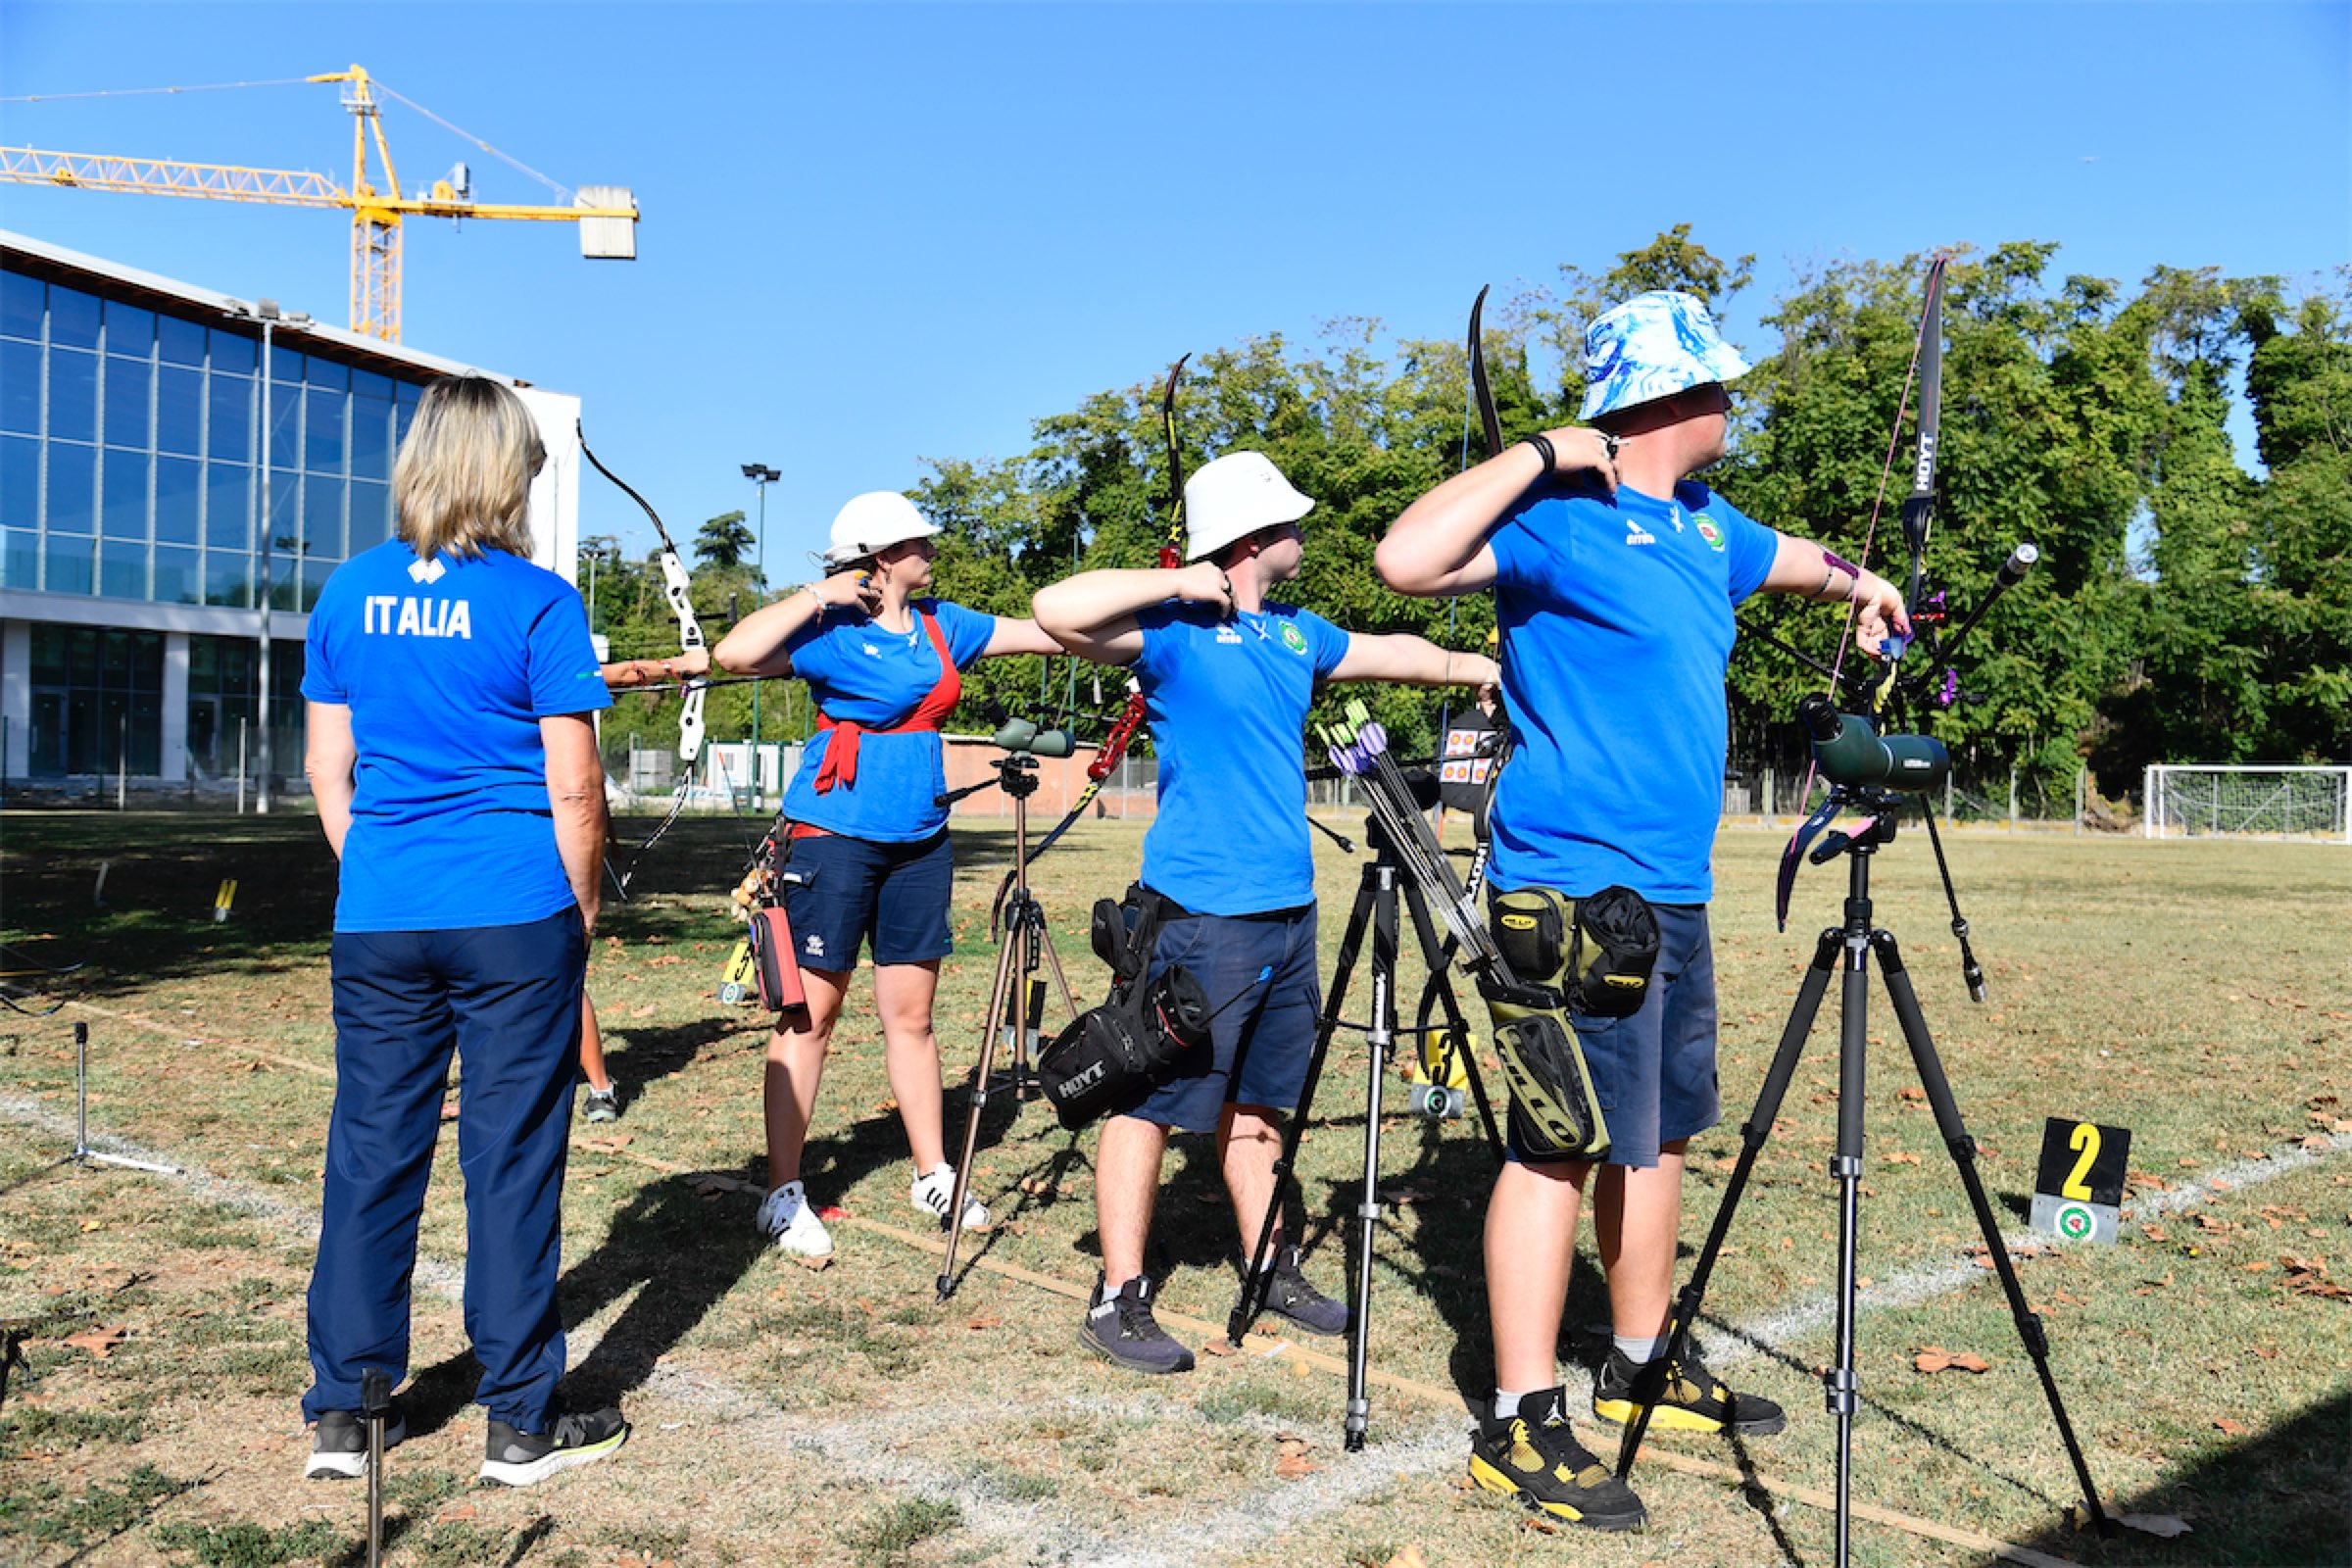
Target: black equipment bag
[
  {"x": 1119, "y": 1052},
  {"x": 1624, "y": 932}
]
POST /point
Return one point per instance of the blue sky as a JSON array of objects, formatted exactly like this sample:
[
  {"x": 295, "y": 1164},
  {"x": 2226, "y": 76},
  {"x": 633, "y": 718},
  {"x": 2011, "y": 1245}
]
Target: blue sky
[{"x": 876, "y": 234}]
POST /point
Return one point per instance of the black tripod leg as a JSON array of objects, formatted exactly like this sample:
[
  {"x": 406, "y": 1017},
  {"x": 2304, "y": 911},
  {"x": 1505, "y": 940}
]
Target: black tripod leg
[
  {"x": 1382, "y": 1039},
  {"x": 1255, "y": 1279},
  {"x": 1846, "y": 1166},
  {"x": 1006, "y": 954},
  {"x": 1752, "y": 1133},
  {"x": 1963, "y": 1150}
]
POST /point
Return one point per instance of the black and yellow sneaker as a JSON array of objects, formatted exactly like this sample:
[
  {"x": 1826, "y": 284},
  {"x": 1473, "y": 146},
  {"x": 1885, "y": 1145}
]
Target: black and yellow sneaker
[
  {"x": 1695, "y": 1399},
  {"x": 1532, "y": 1456}
]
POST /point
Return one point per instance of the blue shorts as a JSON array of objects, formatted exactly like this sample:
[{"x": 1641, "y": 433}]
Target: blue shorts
[
  {"x": 1263, "y": 1034},
  {"x": 1653, "y": 1072},
  {"x": 839, "y": 891}
]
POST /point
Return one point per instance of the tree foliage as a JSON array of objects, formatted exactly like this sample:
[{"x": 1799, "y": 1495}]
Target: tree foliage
[{"x": 2191, "y": 605}]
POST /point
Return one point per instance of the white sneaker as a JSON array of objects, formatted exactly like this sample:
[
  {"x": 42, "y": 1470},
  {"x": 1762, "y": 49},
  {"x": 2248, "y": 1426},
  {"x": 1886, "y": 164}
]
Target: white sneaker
[
  {"x": 791, "y": 1220},
  {"x": 934, "y": 1190}
]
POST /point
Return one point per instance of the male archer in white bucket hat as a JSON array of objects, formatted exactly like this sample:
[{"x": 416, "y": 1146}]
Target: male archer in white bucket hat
[
  {"x": 1615, "y": 575},
  {"x": 1229, "y": 674}
]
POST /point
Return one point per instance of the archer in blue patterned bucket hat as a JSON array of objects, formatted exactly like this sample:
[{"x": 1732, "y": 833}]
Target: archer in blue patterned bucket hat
[{"x": 1652, "y": 347}]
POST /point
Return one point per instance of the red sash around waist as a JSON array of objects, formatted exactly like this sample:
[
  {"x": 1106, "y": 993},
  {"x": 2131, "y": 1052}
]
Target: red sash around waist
[{"x": 839, "y": 765}]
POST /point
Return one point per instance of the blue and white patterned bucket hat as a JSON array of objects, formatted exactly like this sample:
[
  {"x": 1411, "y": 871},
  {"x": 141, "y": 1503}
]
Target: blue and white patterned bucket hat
[{"x": 1652, "y": 347}]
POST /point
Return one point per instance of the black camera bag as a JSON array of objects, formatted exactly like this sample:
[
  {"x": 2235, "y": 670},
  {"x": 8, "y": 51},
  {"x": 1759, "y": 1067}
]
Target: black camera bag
[{"x": 1116, "y": 1054}]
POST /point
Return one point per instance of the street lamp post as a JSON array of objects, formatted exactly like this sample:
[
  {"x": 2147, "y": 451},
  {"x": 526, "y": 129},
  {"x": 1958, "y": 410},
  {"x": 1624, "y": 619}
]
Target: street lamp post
[{"x": 759, "y": 473}]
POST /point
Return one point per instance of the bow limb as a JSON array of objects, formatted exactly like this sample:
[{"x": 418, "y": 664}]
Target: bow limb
[
  {"x": 1482, "y": 391},
  {"x": 676, "y": 586},
  {"x": 1131, "y": 713},
  {"x": 1917, "y": 516}
]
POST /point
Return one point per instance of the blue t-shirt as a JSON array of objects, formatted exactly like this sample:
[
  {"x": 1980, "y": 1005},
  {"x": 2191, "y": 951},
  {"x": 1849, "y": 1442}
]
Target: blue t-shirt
[
  {"x": 447, "y": 666},
  {"x": 1616, "y": 617},
  {"x": 1227, "y": 704},
  {"x": 861, "y": 672}
]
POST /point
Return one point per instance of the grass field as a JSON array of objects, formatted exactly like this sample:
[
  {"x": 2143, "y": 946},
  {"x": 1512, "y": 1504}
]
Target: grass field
[{"x": 2196, "y": 993}]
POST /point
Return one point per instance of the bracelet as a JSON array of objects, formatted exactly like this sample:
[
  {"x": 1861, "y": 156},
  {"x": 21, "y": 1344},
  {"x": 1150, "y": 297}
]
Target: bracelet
[
  {"x": 1829, "y": 576},
  {"x": 1543, "y": 450}
]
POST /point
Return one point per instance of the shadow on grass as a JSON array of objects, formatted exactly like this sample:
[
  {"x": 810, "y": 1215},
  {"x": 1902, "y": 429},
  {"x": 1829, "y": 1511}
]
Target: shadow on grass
[
  {"x": 2276, "y": 1500},
  {"x": 163, "y": 873}
]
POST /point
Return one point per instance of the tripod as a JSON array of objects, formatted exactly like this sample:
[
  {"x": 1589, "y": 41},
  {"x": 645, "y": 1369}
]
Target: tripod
[
  {"x": 1374, "y": 911},
  {"x": 1858, "y": 937},
  {"x": 1016, "y": 999}
]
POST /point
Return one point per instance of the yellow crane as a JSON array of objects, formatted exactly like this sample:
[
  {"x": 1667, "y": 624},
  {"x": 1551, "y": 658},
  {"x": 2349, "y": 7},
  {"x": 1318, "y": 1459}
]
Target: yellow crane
[{"x": 607, "y": 214}]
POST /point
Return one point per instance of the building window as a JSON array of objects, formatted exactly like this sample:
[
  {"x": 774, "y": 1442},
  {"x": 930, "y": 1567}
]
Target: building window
[
  {"x": 129, "y": 447},
  {"x": 97, "y": 701}
]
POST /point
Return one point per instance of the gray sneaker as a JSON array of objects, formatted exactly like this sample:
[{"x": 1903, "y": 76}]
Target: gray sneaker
[
  {"x": 602, "y": 1104},
  {"x": 340, "y": 1445},
  {"x": 1119, "y": 1327},
  {"x": 1289, "y": 1296},
  {"x": 518, "y": 1458}
]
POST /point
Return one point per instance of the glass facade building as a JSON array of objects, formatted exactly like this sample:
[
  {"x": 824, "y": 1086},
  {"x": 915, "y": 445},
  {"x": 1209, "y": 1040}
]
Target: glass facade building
[{"x": 169, "y": 464}]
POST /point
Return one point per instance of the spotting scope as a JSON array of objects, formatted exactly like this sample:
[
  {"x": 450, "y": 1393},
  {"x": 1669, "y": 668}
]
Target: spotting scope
[{"x": 1851, "y": 751}]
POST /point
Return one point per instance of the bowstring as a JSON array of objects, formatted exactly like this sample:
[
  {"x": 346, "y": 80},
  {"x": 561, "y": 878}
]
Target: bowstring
[{"x": 1869, "y": 534}]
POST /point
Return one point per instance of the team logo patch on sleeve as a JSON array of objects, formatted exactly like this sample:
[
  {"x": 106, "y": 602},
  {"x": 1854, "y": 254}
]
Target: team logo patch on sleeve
[
  {"x": 1292, "y": 637},
  {"x": 1710, "y": 534}
]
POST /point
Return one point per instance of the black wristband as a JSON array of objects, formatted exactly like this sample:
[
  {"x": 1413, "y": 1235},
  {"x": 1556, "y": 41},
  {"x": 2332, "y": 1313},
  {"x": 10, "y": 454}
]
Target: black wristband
[{"x": 1542, "y": 449}]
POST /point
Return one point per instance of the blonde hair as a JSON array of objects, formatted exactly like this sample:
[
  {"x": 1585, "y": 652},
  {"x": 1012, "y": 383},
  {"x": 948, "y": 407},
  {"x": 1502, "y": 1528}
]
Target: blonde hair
[{"x": 464, "y": 478}]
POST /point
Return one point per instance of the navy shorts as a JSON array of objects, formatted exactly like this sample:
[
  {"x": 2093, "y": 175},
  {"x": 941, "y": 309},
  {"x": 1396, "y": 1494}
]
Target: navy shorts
[
  {"x": 1263, "y": 1034},
  {"x": 1653, "y": 1072},
  {"x": 840, "y": 891}
]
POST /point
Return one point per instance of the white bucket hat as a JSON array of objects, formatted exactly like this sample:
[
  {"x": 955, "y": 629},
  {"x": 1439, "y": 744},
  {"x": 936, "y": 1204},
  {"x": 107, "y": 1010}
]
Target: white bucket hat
[
  {"x": 1234, "y": 496},
  {"x": 1652, "y": 347},
  {"x": 872, "y": 522}
]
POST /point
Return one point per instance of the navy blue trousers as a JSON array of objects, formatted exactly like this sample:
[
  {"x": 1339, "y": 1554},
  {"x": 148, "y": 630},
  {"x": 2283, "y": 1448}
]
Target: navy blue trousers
[{"x": 506, "y": 1000}]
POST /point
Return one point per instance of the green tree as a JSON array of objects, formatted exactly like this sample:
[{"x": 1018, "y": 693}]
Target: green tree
[{"x": 724, "y": 540}]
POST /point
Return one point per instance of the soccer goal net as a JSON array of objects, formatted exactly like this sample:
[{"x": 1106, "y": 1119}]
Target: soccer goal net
[{"x": 2291, "y": 803}]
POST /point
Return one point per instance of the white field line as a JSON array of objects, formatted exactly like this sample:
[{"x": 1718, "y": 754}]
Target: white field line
[
  {"x": 1921, "y": 1281},
  {"x": 861, "y": 1448},
  {"x": 301, "y": 1220}
]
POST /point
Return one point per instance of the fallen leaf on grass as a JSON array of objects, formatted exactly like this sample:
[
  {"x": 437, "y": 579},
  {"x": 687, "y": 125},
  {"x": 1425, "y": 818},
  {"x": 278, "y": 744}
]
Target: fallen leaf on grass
[
  {"x": 1410, "y": 1557},
  {"x": 99, "y": 1342},
  {"x": 646, "y": 1011},
  {"x": 984, "y": 1321},
  {"x": 2229, "y": 1426},
  {"x": 1216, "y": 1347},
  {"x": 1936, "y": 1358},
  {"x": 455, "y": 1512},
  {"x": 1902, "y": 1158},
  {"x": 2166, "y": 1526},
  {"x": 815, "y": 1265}
]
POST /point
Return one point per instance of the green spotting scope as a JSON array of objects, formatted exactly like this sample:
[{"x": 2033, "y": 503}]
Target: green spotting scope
[{"x": 1851, "y": 751}]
